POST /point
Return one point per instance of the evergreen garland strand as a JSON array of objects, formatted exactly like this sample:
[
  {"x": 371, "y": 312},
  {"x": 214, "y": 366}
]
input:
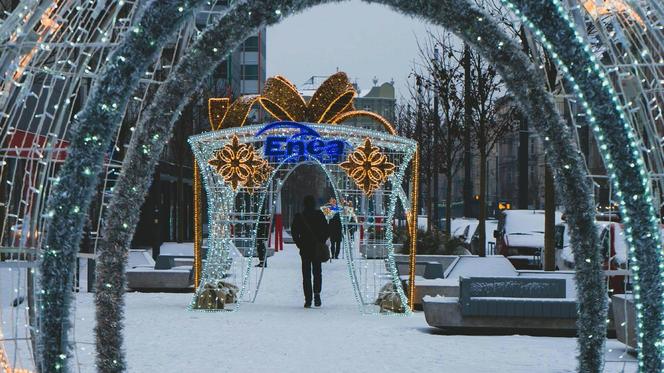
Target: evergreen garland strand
[
  {"x": 526, "y": 83},
  {"x": 93, "y": 131},
  {"x": 469, "y": 23},
  {"x": 624, "y": 161},
  {"x": 150, "y": 136}
]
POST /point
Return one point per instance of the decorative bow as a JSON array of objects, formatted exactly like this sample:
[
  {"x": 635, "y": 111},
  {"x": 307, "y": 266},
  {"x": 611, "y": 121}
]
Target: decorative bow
[
  {"x": 331, "y": 103},
  {"x": 222, "y": 114},
  {"x": 333, "y": 98}
]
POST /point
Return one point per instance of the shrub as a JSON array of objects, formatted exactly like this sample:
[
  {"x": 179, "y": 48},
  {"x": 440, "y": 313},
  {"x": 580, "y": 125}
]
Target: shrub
[{"x": 431, "y": 242}]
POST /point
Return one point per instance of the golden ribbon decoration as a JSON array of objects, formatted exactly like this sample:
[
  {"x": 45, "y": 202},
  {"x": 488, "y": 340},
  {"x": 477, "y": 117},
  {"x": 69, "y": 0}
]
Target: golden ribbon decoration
[
  {"x": 334, "y": 97},
  {"x": 331, "y": 103}
]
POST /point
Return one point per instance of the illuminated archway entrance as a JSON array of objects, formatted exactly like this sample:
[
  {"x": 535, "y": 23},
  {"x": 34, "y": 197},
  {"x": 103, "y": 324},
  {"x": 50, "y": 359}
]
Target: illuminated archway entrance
[{"x": 366, "y": 169}]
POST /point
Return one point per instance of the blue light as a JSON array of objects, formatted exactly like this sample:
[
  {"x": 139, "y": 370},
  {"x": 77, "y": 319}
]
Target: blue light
[{"x": 300, "y": 146}]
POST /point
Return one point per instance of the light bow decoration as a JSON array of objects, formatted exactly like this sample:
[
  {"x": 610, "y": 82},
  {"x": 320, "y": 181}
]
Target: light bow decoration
[
  {"x": 334, "y": 97},
  {"x": 368, "y": 167},
  {"x": 239, "y": 165},
  {"x": 332, "y": 103}
]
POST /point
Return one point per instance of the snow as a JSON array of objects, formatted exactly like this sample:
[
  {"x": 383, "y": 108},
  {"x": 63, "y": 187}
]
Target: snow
[
  {"x": 177, "y": 249},
  {"x": 458, "y": 225},
  {"x": 525, "y": 228},
  {"x": 473, "y": 266},
  {"x": 276, "y": 334}
]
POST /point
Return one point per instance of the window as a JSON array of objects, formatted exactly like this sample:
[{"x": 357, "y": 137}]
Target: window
[
  {"x": 251, "y": 44},
  {"x": 250, "y": 72}
]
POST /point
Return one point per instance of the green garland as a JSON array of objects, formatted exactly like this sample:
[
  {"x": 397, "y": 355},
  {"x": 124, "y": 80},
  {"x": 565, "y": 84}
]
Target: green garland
[
  {"x": 150, "y": 136},
  {"x": 471, "y": 24},
  {"x": 87, "y": 154},
  {"x": 624, "y": 161},
  {"x": 72, "y": 193}
]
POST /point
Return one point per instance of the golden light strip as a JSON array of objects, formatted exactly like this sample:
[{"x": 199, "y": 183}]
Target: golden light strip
[
  {"x": 413, "y": 229},
  {"x": 217, "y": 109},
  {"x": 198, "y": 227},
  {"x": 363, "y": 113}
]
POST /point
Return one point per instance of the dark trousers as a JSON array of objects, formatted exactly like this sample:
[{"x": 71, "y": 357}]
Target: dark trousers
[
  {"x": 335, "y": 248},
  {"x": 261, "y": 251},
  {"x": 309, "y": 266}
]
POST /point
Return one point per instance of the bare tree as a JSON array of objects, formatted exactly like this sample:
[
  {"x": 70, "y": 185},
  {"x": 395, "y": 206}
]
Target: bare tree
[
  {"x": 441, "y": 63},
  {"x": 487, "y": 127}
]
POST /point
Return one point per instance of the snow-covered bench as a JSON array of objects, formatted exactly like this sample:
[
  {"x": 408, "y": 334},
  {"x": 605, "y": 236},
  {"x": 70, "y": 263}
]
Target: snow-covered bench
[
  {"x": 167, "y": 273},
  {"x": 511, "y": 303},
  {"x": 444, "y": 260},
  {"x": 515, "y": 297},
  {"x": 425, "y": 268}
]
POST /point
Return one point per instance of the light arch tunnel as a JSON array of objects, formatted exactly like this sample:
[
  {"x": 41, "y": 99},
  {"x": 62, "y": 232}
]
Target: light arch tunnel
[
  {"x": 238, "y": 216},
  {"x": 546, "y": 20}
]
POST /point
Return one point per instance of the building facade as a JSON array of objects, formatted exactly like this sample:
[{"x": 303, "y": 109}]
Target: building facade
[{"x": 167, "y": 215}]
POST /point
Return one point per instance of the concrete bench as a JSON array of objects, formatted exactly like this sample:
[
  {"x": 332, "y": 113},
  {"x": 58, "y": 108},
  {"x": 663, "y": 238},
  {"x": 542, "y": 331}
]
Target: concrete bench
[
  {"x": 444, "y": 260},
  {"x": 149, "y": 278},
  {"x": 515, "y": 297},
  {"x": 426, "y": 269}
]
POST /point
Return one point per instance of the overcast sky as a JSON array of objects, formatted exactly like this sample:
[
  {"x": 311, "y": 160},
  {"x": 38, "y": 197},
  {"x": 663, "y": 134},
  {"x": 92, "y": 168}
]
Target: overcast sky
[{"x": 364, "y": 40}]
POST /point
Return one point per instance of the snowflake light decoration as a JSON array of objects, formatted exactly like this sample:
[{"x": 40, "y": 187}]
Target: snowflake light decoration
[
  {"x": 238, "y": 163},
  {"x": 368, "y": 167}
]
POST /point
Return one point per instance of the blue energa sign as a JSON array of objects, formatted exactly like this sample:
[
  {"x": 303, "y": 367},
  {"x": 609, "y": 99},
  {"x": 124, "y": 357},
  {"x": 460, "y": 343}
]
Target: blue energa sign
[{"x": 301, "y": 145}]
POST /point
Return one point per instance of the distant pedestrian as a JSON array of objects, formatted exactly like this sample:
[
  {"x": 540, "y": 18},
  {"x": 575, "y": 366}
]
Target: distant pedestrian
[
  {"x": 309, "y": 230},
  {"x": 261, "y": 239},
  {"x": 335, "y": 229}
]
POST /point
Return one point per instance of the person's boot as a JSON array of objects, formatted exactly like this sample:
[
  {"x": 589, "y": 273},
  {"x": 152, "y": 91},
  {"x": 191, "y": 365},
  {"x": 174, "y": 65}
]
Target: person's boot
[
  {"x": 317, "y": 301},
  {"x": 307, "y": 304}
]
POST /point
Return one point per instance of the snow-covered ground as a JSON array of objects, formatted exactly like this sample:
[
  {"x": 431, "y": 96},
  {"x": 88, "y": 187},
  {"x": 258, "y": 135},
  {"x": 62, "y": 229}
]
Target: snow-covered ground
[{"x": 276, "y": 334}]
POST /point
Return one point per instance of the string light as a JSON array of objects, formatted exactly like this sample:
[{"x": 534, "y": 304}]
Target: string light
[
  {"x": 616, "y": 141},
  {"x": 198, "y": 227},
  {"x": 368, "y": 167},
  {"x": 222, "y": 197},
  {"x": 101, "y": 117}
]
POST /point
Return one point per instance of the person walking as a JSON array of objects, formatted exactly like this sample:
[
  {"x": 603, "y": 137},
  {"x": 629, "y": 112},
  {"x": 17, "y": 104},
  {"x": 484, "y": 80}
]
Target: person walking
[
  {"x": 310, "y": 228},
  {"x": 262, "y": 233},
  {"x": 335, "y": 229}
]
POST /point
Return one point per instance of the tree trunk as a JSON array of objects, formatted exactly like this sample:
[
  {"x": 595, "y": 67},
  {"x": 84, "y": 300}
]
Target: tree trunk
[
  {"x": 448, "y": 204},
  {"x": 467, "y": 117},
  {"x": 482, "y": 218},
  {"x": 523, "y": 162},
  {"x": 549, "y": 221},
  {"x": 434, "y": 165},
  {"x": 428, "y": 203},
  {"x": 179, "y": 186}
]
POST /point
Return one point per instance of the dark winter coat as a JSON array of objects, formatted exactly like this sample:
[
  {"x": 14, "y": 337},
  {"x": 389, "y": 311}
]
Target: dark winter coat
[
  {"x": 335, "y": 228},
  {"x": 305, "y": 236}
]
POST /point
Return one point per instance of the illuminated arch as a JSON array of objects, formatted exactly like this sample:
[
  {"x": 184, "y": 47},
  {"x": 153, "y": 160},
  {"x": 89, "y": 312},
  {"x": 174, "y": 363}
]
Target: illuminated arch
[{"x": 546, "y": 20}]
